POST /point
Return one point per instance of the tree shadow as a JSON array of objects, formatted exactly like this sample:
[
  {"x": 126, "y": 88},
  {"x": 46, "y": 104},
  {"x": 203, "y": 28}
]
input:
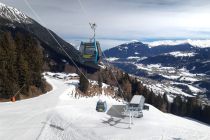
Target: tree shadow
[
  {"x": 54, "y": 126},
  {"x": 114, "y": 122},
  {"x": 72, "y": 83},
  {"x": 177, "y": 138},
  {"x": 116, "y": 117},
  {"x": 116, "y": 111},
  {"x": 191, "y": 119}
]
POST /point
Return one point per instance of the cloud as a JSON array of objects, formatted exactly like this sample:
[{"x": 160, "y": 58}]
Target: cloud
[{"x": 122, "y": 20}]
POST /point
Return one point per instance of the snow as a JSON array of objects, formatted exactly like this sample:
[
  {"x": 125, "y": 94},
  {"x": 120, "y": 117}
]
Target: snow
[
  {"x": 172, "y": 77},
  {"x": 111, "y": 59},
  {"x": 131, "y": 41},
  {"x": 62, "y": 75},
  {"x": 136, "y": 57},
  {"x": 62, "y": 115},
  {"x": 182, "y": 54},
  {"x": 194, "y": 89},
  {"x": 104, "y": 85},
  {"x": 187, "y": 76},
  {"x": 159, "y": 88},
  {"x": 63, "y": 60},
  {"x": 73, "y": 75},
  {"x": 171, "y": 72},
  {"x": 177, "y": 91},
  {"x": 195, "y": 43},
  {"x": 186, "y": 73},
  {"x": 142, "y": 67},
  {"x": 188, "y": 79},
  {"x": 59, "y": 75},
  {"x": 49, "y": 73},
  {"x": 208, "y": 61},
  {"x": 170, "y": 99},
  {"x": 133, "y": 57},
  {"x": 24, "y": 119},
  {"x": 2, "y": 5},
  {"x": 182, "y": 75},
  {"x": 13, "y": 14},
  {"x": 102, "y": 98},
  {"x": 153, "y": 67}
]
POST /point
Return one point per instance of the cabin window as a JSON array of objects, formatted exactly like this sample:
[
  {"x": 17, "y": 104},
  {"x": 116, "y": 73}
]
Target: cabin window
[{"x": 90, "y": 50}]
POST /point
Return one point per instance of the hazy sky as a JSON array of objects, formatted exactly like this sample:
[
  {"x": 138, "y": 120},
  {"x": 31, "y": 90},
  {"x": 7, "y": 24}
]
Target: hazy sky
[{"x": 122, "y": 20}]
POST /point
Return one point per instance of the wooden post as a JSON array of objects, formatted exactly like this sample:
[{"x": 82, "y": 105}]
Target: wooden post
[{"x": 13, "y": 99}]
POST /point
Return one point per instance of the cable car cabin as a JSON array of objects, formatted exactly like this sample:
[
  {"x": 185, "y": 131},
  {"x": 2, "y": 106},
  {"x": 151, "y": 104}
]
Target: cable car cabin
[
  {"x": 101, "y": 106},
  {"x": 91, "y": 52}
]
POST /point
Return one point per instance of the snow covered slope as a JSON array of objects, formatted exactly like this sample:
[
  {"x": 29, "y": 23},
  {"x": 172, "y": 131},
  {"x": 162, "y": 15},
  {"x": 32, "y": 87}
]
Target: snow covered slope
[
  {"x": 61, "y": 115},
  {"x": 13, "y": 14},
  {"x": 182, "y": 54},
  {"x": 196, "y": 43}
]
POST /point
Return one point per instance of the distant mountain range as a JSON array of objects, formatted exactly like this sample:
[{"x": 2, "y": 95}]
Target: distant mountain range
[
  {"x": 194, "y": 58},
  {"x": 195, "y": 43},
  {"x": 166, "y": 60}
]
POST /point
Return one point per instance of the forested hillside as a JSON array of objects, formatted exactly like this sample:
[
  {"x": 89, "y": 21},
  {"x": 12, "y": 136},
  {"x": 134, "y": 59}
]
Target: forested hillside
[{"x": 21, "y": 62}]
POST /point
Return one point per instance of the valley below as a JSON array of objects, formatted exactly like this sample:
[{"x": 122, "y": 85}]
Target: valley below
[
  {"x": 170, "y": 80},
  {"x": 180, "y": 69}
]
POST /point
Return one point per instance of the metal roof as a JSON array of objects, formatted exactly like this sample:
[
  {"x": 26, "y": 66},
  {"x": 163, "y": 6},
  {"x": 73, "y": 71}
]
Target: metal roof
[{"x": 137, "y": 99}]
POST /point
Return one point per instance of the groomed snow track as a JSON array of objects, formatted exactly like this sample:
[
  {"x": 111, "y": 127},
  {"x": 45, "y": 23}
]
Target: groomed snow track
[{"x": 61, "y": 115}]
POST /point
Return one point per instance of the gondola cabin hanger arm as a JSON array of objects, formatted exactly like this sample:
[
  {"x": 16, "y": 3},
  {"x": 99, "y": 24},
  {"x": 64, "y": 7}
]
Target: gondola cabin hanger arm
[{"x": 91, "y": 51}]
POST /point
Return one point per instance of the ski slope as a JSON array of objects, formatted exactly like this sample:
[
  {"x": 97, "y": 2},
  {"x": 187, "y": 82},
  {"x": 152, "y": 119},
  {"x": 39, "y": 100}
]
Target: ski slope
[{"x": 63, "y": 115}]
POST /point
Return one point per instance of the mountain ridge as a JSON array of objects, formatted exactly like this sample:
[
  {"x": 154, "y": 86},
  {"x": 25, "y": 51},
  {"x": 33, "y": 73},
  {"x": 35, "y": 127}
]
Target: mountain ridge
[
  {"x": 201, "y": 43},
  {"x": 144, "y": 50},
  {"x": 14, "y": 14},
  {"x": 13, "y": 20},
  {"x": 196, "y": 43}
]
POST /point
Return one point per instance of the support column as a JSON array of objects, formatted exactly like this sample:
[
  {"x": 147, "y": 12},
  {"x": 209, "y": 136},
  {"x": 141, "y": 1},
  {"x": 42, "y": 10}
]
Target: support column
[
  {"x": 129, "y": 119},
  {"x": 132, "y": 118}
]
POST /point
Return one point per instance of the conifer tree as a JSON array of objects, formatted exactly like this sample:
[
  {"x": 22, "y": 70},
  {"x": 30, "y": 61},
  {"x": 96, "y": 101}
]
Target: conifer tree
[
  {"x": 21, "y": 62},
  {"x": 99, "y": 80},
  {"x": 8, "y": 74},
  {"x": 127, "y": 88},
  {"x": 83, "y": 83}
]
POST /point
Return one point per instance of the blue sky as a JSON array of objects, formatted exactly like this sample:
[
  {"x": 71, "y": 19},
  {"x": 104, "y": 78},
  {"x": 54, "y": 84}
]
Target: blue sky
[{"x": 122, "y": 20}]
